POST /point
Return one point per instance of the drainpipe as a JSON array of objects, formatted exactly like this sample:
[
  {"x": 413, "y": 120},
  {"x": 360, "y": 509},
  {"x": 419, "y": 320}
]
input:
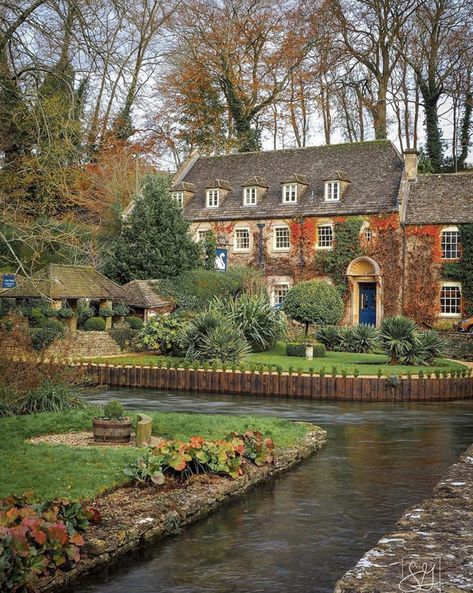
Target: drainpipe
[{"x": 260, "y": 226}]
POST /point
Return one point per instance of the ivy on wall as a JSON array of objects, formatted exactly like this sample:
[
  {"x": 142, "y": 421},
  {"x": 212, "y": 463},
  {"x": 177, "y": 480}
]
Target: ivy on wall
[
  {"x": 346, "y": 248},
  {"x": 462, "y": 271}
]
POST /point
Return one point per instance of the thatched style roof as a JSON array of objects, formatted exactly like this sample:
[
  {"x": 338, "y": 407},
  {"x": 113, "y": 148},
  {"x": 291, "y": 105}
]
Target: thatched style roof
[
  {"x": 66, "y": 282},
  {"x": 139, "y": 293}
]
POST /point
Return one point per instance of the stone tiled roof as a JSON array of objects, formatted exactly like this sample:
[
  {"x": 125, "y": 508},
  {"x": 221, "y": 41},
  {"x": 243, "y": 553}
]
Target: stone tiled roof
[
  {"x": 139, "y": 293},
  {"x": 441, "y": 199},
  {"x": 62, "y": 282},
  {"x": 373, "y": 168}
]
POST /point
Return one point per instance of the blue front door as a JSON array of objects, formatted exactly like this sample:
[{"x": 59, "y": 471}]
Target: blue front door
[{"x": 367, "y": 313}]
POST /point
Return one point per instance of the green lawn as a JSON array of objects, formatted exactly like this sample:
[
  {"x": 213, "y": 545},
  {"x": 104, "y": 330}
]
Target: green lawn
[
  {"x": 57, "y": 470},
  {"x": 367, "y": 364}
]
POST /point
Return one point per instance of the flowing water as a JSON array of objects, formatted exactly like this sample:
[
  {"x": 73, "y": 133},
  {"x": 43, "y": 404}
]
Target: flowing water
[{"x": 300, "y": 533}]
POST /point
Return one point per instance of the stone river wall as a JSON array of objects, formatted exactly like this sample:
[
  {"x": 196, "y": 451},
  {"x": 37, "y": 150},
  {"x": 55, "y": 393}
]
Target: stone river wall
[
  {"x": 431, "y": 549},
  {"x": 133, "y": 517}
]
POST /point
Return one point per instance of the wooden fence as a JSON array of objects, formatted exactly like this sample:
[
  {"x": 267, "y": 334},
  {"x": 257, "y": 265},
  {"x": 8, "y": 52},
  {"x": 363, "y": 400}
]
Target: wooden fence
[{"x": 285, "y": 385}]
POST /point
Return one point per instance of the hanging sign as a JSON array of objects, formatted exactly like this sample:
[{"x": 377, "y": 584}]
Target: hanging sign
[
  {"x": 8, "y": 281},
  {"x": 221, "y": 259}
]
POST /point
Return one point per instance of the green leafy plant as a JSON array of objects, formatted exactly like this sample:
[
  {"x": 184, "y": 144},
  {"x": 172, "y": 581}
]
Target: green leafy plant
[
  {"x": 334, "y": 371},
  {"x": 43, "y": 336},
  {"x": 106, "y": 312},
  {"x": 94, "y": 324},
  {"x": 295, "y": 349},
  {"x": 319, "y": 351},
  {"x": 65, "y": 313},
  {"x": 113, "y": 410},
  {"x": 50, "y": 396},
  {"x": 124, "y": 336},
  {"x": 84, "y": 312},
  {"x": 362, "y": 339},
  {"x": 163, "y": 333},
  {"x": 356, "y": 372}
]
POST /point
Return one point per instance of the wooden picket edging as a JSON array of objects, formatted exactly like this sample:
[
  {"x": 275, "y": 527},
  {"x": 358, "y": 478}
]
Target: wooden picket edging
[{"x": 284, "y": 385}]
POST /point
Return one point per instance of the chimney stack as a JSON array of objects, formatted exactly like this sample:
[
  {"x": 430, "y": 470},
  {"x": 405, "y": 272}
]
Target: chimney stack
[{"x": 410, "y": 163}]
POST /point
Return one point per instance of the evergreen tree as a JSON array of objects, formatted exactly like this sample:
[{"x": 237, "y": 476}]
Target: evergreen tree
[{"x": 154, "y": 240}]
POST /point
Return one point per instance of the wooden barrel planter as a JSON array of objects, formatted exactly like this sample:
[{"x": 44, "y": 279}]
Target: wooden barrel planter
[{"x": 112, "y": 431}]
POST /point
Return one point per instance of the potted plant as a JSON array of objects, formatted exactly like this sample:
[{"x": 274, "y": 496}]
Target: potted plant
[{"x": 113, "y": 426}]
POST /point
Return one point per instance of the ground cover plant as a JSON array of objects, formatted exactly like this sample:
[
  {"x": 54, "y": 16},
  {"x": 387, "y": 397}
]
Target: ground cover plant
[
  {"x": 53, "y": 471},
  {"x": 37, "y": 538}
]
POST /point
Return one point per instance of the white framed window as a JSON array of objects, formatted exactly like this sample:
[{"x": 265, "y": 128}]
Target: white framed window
[
  {"x": 241, "y": 240},
  {"x": 332, "y": 191},
  {"x": 203, "y": 235},
  {"x": 279, "y": 293},
  {"x": 325, "y": 236},
  {"x": 281, "y": 238},
  {"x": 450, "y": 242},
  {"x": 450, "y": 299},
  {"x": 249, "y": 196},
  {"x": 289, "y": 193},
  {"x": 178, "y": 197},
  {"x": 213, "y": 198}
]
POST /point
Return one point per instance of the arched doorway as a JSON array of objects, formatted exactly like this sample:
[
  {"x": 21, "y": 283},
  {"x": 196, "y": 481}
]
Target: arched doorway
[{"x": 364, "y": 277}]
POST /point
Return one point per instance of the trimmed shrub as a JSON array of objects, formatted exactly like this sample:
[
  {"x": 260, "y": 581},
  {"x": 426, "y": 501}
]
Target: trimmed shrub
[
  {"x": 106, "y": 312},
  {"x": 134, "y": 322},
  {"x": 96, "y": 324},
  {"x": 65, "y": 313},
  {"x": 113, "y": 410},
  {"x": 260, "y": 323},
  {"x": 125, "y": 337},
  {"x": 295, "y": 349},
  {"x": 84, "y": 312},
  {"x": 313, "y": 301},
  {"x": 50, "y": 397},
  {"x": 319, "y": 351},
  {"x": 121, "y": 310},
  {"x": 44, "y": 335},
  {"x": 163, "y": 333}
]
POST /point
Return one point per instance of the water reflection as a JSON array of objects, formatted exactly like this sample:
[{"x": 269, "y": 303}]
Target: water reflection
[{"x": 302, "y": 532}]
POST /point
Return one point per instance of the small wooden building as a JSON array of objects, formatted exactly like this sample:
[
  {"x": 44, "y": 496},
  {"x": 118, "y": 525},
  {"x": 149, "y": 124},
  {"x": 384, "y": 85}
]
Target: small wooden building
[
  {"x": 65, "y": 285},
  {"x": 144, "y": 300}
]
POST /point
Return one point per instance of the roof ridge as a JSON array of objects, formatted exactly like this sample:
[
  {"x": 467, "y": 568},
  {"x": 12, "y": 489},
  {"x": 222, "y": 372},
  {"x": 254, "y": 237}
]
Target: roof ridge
[{"x": 302, "y": 148}]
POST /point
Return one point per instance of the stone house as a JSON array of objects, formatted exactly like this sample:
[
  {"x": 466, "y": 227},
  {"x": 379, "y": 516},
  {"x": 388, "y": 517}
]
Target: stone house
[
  {"x": 144, "y": 300},
  {"x": 290, "y": 212}
]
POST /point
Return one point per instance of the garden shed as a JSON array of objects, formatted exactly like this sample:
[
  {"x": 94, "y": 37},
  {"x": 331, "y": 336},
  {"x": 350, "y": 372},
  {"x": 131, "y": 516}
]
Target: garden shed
[
  {"x": 144, "y": 300},
  {"x": 64, "y": 285}
]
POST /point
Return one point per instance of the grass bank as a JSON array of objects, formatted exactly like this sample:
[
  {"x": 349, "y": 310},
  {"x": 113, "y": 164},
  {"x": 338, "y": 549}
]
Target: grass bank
[
  {"x": 366, "y": 364},
  {"x": 61, "y": 471}
]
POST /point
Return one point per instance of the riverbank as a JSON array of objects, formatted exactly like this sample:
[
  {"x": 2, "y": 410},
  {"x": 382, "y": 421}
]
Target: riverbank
[
  {"x": 432, "y": 543},
  {"x": 133, "y": 517}
]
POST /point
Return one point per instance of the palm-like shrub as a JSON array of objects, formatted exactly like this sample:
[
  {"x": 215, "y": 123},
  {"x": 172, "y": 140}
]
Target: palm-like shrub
[
  {"x": 211, "y": 335},
  {"x": 329, "y": 336},
  {"x": 362, "y": 338},
  {"x": 397, "y": 337},
  {"x": 253, "y": 315},
  {"x": 427, "y": 346}
]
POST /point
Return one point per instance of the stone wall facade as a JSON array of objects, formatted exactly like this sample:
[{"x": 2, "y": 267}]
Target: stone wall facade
[
  {"x": 84, "y": 344},
  {"x": 460, "y": 346}
]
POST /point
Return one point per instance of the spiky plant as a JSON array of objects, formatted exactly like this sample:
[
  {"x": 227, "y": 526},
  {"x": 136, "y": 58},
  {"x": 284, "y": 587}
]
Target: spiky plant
[
  {"x": 363, "y": 338},
  {"x": 397, "y": 337},
  {"x": 426, "y": 348},
  {"x": 329, "y": 336},
  {"x": 254, "y": 316}
]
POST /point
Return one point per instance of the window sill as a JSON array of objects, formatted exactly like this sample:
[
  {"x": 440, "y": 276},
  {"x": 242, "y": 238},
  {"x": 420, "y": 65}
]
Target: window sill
[
  {"x": 281, "y": 249},
  {"x": 450, "y": 315},
  {"x": 241, "y": 250},
  {"x": 323, "y": 248}
]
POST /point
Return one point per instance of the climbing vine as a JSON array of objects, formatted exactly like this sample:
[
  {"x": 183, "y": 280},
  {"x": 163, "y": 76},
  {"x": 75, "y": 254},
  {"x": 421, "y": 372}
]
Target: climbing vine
[{"x": 346, "y": 248}]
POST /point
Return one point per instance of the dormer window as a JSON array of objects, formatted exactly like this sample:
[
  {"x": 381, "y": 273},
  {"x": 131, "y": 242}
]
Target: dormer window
[
  {"x": 332, "y": 191},
  {"x": 213, "y": 198},
  {"x": 178, "y": 197},
  {"x": 289, "y": 193},
  {"x": 250, "y": 196}
]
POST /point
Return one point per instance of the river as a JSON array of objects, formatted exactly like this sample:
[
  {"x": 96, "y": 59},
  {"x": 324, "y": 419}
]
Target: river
[{"x": 300, "y": 533}]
